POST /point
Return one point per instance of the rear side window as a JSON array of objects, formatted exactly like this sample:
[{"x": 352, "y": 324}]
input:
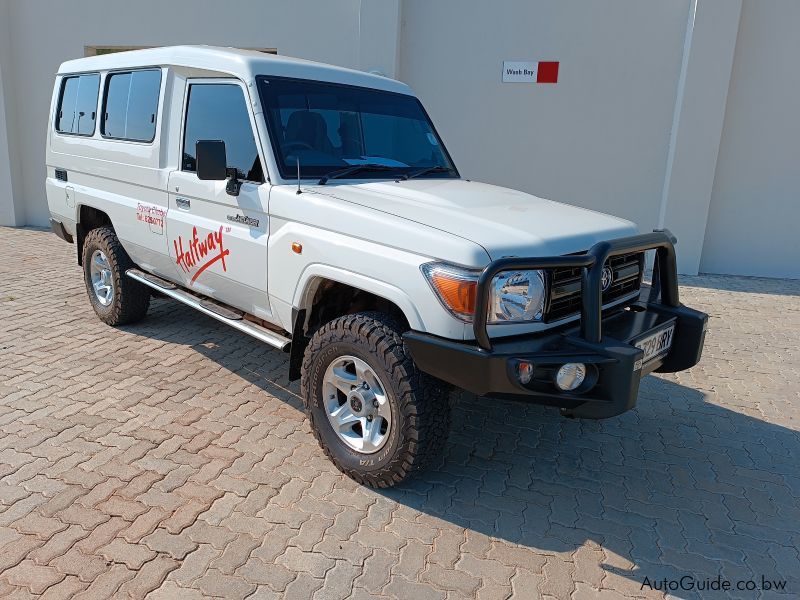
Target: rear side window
[
  {"x": 77, "y": 106},
  {"x": 219, "y": 112},
  {"x": 131, "y": 105}
]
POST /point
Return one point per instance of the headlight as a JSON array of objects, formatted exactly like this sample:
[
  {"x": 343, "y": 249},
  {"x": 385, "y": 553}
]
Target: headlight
[
  {"x": 454, "y": 286},
  {"x": 517, "y": 297}
]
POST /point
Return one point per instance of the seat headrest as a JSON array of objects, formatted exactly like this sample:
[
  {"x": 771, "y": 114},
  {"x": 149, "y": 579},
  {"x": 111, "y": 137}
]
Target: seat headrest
[{"x": 306, "y": 126}]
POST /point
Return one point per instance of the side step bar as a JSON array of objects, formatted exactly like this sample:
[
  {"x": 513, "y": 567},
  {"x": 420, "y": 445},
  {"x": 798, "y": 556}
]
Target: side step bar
[{"x": 229, "y": 316}]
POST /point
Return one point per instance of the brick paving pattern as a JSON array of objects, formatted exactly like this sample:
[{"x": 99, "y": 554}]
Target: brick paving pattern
[{"x": 171, "y": 459}]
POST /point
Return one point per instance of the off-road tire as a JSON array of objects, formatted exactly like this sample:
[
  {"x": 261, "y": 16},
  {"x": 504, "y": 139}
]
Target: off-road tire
[
  {"x": 419, "y": 403},
  {"x": 131, "y": 299}
]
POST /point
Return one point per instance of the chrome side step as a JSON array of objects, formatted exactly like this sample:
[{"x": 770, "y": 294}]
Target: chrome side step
[
  {"x": 222, "y": 309},
  {"x": 155, "y": 281},
  {"x": 215, "y": 310}
]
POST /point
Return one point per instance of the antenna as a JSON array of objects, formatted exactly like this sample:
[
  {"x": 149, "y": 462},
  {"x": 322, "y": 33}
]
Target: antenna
[{"x": 299, "y": 191}]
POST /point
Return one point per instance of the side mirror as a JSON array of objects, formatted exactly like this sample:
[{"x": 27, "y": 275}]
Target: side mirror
[{"x": 211, "y": 160}]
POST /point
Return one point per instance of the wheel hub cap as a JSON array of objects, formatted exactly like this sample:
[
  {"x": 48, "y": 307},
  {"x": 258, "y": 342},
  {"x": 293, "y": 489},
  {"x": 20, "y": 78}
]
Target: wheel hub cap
[
  {"x": 102, "y": 278},
  {"x": 356, "y": 404}
]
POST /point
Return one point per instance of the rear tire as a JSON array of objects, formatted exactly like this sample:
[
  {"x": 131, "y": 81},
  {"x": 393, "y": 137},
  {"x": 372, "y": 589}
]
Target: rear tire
[
  {"x": 413, "y": 405},
  {"x": 116, "y": 298}
]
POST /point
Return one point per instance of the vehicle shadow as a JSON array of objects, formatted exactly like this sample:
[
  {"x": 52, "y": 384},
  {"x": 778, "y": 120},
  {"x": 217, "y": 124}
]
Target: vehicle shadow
[
  {"x": 679, "y": 486},
  {"x": 255, "y": 362}
]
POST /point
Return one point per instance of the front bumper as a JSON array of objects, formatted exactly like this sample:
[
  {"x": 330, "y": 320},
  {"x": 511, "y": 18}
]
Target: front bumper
[{"x": 604, "y": 342}]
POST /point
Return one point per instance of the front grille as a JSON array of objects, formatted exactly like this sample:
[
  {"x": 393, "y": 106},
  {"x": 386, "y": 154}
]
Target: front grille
[{"x": 565, "y": 285}]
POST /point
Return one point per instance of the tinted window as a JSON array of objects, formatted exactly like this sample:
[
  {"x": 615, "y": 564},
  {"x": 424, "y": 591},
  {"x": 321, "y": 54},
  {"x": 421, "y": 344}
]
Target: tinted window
[
  {"x": 77, "y": 107},
  {"x": 131, "y": 105},
  {"x": 219, "y": 112},
  {"x": 328, "y": 126}
]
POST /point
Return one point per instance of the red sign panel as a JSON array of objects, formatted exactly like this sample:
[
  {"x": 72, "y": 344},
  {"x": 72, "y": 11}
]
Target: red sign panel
[{"x": 547, "y": 72}]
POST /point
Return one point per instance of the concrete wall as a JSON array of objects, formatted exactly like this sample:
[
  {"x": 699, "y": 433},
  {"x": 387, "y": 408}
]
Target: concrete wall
[
  {"x": 697, "y": 125},
  {"x": 7, "y": 213},
  {"x": 755, "y": 208},
  {"x": 632, "y": 127},
  {"x": 360, "y": 34},
  {"x": 598, "y": 138},
  {"x": 680, "y": 113},
  {"x": 12, "y": 209}
]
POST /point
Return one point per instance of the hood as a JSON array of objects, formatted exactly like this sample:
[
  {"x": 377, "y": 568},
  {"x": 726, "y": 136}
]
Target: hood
[{"x": 504, "y": 222}]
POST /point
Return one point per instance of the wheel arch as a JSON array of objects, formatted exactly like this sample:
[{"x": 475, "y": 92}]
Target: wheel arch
[
  {"x": 317, "y": 278},
  {"x": 88, "y": 218},
  {"x": 325, "y": 293}
]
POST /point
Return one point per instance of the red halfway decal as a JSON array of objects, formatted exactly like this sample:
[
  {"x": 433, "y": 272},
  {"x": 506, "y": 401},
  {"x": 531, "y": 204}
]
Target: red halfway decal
[{"x": 199, "y": 251}]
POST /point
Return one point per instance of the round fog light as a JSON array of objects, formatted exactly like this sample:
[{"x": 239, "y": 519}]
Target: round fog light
[{"x": 570, "y": 376}]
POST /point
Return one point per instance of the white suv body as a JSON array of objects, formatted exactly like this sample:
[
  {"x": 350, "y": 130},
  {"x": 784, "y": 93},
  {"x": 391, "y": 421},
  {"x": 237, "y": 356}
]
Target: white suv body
[{"x": 332, "y": 195}]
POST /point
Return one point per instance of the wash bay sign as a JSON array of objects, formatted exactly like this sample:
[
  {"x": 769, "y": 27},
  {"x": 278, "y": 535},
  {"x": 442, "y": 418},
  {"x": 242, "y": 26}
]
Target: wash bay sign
[{"x": 517, "y": 71}]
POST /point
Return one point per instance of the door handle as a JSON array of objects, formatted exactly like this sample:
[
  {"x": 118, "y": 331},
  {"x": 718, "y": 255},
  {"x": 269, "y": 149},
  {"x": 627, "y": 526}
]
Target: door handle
[{"x": 183, "y": 203}]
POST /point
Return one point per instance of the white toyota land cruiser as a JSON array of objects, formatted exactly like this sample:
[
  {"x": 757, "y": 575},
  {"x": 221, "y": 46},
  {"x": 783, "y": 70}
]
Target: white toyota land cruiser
[{"x": 316, "y": 209}]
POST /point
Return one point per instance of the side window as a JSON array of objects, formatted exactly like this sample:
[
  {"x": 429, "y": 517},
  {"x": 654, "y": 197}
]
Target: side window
[
  {"x": 131, "y": 105},
  {"x": 77, "y": 106},
  {"x": 218, "y": 111}
]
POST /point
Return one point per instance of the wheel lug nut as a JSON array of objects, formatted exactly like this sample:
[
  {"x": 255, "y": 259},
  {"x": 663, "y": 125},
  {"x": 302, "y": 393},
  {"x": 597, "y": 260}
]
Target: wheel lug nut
[
  {"x": 369, "y": 417},
  {"x": 375, "y": 403}
]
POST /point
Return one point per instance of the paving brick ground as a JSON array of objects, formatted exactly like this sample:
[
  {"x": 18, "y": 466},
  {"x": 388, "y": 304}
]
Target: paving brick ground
[{"x": 171, "y": 459}]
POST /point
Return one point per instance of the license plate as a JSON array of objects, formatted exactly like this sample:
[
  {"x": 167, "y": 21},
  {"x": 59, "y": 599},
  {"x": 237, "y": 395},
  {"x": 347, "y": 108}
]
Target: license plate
[{"x": 657, "y": 344}]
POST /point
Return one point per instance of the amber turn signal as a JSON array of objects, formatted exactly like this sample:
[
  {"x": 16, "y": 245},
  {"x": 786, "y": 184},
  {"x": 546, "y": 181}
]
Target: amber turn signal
[
  {"x": 297, "y": 247},
  {"x": 457, "y": 294}
]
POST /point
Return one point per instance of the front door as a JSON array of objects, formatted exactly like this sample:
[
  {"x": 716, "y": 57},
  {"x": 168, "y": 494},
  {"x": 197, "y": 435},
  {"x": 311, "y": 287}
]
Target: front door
[{"x": 218, "y": 242}]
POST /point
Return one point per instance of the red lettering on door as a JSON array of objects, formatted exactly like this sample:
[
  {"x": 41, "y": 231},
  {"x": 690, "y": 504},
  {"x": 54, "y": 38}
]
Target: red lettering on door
[{"x": 199, "y": 249}]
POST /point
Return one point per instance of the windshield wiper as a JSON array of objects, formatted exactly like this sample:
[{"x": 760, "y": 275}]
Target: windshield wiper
[
  {"x": 354, "y": 169},
  {"x": 425, "y": 171}
]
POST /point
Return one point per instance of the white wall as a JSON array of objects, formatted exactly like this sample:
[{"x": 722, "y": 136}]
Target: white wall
[
  {"x": 697, "y": 125},
  {"x": 599, "y": 138},
  {"x": 12, "y": 209},
  {"x": 43, "y": 33},
  {"x": 7, "y": 213},
  {"x": 662, "y": 114},
  {"x": 755, "y": 209}
]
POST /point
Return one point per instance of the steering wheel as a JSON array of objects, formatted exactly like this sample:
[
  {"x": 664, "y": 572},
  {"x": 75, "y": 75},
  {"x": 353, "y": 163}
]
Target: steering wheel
[{"x": 297, "y": 144}]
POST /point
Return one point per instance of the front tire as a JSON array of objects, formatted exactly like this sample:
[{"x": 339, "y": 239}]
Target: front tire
[
  {"x": 374, "y": 414},
  {"x": 116, "y": 298}
]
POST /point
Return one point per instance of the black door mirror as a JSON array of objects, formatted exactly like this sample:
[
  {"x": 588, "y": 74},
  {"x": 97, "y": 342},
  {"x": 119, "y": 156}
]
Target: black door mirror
[{"x": 212, "y": 162}]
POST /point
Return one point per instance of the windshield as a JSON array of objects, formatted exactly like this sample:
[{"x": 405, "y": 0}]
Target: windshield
[{"x": 330, "y": 127}]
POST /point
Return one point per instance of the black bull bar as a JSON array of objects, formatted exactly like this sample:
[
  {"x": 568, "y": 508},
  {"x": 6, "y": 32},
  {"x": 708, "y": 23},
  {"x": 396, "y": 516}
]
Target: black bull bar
[{"x": 664, "y": 283}]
